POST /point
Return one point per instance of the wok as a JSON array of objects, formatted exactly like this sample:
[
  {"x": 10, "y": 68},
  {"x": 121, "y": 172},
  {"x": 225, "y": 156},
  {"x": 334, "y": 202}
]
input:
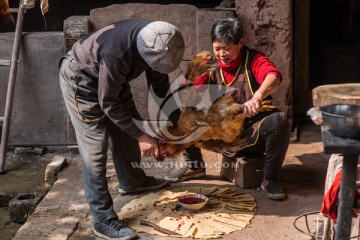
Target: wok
[{"x": 342, "y": 120}]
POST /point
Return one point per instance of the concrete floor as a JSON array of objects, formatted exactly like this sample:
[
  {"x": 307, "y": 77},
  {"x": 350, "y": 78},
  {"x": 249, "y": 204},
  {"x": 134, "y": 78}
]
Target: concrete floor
[{"x": 63, "y": 213}]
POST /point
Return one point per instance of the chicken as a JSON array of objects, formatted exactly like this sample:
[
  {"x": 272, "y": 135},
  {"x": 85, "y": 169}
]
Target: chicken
[
  {"x": 202, "y": 63},
  {"x": 217, "y": 129}
]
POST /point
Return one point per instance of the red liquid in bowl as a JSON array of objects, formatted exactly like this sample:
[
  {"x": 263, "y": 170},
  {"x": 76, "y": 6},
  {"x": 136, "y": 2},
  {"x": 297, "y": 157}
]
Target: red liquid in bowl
[{"x": 192, "y": 200}]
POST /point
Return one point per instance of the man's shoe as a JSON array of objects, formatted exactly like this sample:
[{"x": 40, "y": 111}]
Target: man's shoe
[
  {"x": 151, "y": 183},
  {"x": 185, "y": 173},
  {"x": 114, "y": 229},
  {"x": 273, "y": 189}
]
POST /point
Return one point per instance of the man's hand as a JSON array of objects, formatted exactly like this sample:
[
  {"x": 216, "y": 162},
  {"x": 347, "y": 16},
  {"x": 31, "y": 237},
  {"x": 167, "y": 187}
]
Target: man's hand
[{"x": 148, "y": 146}]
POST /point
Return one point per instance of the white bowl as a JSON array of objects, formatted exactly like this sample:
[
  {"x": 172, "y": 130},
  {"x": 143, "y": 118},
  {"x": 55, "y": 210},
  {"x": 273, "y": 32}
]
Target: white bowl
[{"x": 193, "y": 202}]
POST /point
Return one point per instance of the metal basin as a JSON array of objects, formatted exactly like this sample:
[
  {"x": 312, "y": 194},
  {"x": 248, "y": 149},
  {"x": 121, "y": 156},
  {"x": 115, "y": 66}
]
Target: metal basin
[{"x": 342, "y": 120}]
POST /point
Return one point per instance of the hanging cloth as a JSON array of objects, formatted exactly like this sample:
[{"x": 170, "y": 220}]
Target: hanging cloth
[{"x": 331, "y": 199}]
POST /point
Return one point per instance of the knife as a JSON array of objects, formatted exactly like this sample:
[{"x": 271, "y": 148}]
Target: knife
[{"x": 157, "y": 228}]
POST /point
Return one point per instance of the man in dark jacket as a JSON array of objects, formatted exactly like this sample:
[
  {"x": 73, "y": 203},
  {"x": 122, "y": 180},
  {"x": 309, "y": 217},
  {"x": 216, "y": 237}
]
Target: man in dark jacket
[{"x": 94, "y": 79}]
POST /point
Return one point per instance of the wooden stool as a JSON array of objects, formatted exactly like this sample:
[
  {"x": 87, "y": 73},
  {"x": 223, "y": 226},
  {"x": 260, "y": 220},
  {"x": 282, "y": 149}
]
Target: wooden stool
[{"x": 245, "y": 172}]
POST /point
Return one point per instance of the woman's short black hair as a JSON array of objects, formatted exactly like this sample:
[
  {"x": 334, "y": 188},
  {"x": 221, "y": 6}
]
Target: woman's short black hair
[{"x": 227, "y": 30}]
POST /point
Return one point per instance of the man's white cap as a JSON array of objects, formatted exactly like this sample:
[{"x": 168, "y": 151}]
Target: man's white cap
[{"x": 161, "y": 45}]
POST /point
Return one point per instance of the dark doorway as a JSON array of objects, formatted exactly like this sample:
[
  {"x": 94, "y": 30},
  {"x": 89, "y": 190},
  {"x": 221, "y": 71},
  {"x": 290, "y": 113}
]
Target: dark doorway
[
  {"x": 326, "y": 46},
  {"x": 334, "y": 42}
]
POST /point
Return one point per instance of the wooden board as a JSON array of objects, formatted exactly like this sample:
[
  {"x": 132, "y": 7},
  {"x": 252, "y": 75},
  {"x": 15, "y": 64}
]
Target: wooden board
[{"x": 347, "y": 93}]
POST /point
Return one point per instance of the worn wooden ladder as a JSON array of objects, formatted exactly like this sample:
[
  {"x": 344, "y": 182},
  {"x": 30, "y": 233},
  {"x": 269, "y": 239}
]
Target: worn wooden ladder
[{"x": 13, "y": 64}]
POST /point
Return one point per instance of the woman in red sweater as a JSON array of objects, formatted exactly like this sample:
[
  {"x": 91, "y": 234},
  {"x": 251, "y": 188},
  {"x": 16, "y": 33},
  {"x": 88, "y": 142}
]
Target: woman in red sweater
[{"x": 254, "y": 78}]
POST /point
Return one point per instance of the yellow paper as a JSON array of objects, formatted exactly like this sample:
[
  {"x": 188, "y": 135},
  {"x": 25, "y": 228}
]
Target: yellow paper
[{"x": 225, "y": 212}]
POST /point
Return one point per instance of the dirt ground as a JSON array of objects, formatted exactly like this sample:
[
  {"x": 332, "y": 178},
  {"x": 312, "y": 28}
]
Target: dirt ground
[{"x": 303, "y": 177}]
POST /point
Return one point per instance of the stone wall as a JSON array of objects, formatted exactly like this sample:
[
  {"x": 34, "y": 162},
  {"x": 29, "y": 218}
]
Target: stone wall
[
  {"x": 61, "y": 10},
  {"x": 268, "y": 28},
  {"x": 194, "y": 23},
  {"x": 39, "y": 113},
  {"x": 182, "y": 16}
]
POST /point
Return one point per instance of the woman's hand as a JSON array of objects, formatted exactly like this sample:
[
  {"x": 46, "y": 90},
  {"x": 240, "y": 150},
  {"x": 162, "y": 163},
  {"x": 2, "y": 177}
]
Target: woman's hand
[
  {"x": 148, "y": 146},
  {"x": 252, "y": 106},
  {"x": 269, "y": 86}
]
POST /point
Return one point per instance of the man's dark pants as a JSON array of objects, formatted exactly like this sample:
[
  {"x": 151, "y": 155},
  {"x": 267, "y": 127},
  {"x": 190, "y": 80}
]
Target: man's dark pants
[{"x": 94, "y": 135}]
